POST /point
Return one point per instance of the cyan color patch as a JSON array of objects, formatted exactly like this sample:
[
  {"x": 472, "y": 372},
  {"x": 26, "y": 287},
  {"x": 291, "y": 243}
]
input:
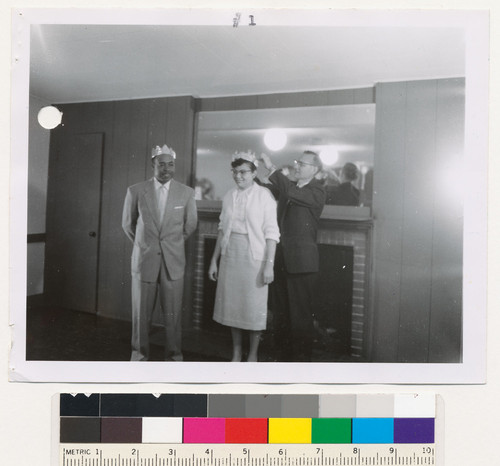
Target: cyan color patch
[{"x": 373, "y": 430}]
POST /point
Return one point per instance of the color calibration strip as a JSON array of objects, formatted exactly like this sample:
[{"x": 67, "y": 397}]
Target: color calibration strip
[{"x": 246, "y": 419}]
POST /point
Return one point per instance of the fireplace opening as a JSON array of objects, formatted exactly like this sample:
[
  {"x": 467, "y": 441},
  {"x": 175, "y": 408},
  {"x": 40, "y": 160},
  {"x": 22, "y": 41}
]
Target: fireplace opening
[{"x": 333, "y": 297}]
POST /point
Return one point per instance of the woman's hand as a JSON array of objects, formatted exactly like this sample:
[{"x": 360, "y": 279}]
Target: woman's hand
[
  {"x": 268, "y": 273},
  {"x": 212, "y": 271}
]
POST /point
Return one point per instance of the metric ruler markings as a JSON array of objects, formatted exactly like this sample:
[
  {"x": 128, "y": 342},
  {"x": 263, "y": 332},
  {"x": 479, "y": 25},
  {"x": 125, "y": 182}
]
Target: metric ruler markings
[{"x": 241, "y": 455}]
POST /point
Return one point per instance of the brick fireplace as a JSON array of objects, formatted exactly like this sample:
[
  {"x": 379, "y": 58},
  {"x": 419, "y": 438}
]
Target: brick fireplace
[
  {"x": 353, "y": 234},
  {"x": 357, "y": 236}
]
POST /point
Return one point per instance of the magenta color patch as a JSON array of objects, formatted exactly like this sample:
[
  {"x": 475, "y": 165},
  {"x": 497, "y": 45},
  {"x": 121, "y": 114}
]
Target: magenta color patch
[{"x": 204, "y": 430}]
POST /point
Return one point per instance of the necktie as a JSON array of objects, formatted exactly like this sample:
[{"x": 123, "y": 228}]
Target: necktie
[{"x": 162, "y": 201}]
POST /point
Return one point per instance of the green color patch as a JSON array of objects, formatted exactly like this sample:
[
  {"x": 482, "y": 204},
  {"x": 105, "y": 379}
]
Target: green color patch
[{"x": 331, "y": 430}]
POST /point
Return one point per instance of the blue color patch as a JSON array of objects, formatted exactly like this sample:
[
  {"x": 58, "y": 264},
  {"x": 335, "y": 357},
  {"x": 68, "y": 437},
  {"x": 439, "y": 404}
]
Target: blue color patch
[{"x": 373, "y": 430}]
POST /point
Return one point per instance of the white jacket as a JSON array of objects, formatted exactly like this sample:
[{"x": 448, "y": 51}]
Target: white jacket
[{"x": 261, "y": 219}]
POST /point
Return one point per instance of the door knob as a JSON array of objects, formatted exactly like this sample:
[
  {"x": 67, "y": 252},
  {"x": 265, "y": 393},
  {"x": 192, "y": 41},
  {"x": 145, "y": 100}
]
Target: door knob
[{"x": 92, "y": 234}]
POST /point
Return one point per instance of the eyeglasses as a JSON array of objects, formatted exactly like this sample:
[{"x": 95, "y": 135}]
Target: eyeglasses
[
  {"x": 240, "y": 172},
  {"x": 300, "y": 163}
]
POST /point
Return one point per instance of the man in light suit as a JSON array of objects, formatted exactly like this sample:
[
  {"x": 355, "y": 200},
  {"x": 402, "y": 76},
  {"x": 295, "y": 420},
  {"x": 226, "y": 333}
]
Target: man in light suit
[
  {"x": 158, "y": 215},
  {"x": 300, "y": 203}
]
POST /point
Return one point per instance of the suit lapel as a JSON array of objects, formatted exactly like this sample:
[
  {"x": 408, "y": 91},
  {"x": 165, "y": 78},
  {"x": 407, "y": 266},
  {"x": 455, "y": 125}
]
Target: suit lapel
[
  {"x": 150, "y": 196},
  {"x": 285, "y": 204}
]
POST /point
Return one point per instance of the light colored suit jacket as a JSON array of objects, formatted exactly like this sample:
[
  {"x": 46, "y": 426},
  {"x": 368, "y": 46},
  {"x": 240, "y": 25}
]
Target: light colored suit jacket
[{"x": 154, "y": 242}]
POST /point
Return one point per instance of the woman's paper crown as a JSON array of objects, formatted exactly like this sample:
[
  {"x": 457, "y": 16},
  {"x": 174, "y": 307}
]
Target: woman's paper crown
[
  {"x": 157, "y": 150},
  {"x": 247, "y": 156}
]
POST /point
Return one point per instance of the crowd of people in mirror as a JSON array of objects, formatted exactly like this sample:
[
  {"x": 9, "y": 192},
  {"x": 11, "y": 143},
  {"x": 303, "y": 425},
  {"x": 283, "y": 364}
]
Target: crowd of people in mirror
[
  {"x": 267, "y": 235},
  {"x": 342, "y": 184}
]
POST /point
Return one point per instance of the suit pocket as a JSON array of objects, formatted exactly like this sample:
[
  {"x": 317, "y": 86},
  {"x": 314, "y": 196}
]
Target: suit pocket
[{"x": 177, "y": 216}]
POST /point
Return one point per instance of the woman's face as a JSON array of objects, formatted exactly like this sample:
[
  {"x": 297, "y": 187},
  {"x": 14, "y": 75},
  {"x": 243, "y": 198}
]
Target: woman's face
[{"x": 243, "y": 176}]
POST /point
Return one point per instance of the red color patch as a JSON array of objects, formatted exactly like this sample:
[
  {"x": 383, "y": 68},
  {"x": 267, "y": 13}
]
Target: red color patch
[{"x": 246, "y": 430}]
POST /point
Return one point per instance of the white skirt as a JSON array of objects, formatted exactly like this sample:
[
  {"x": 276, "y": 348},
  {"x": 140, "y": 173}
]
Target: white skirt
[{"x": 241, "y": 296}]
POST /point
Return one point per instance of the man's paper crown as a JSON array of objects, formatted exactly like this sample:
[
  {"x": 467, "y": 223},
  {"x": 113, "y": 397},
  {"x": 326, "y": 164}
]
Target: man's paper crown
[
  {"x": 247, "y": 156},
  {"x": 157, "y": 150}
]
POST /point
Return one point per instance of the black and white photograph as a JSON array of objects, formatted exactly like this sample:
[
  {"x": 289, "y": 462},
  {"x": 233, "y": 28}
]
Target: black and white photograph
[{"x": 249, "y": 196}]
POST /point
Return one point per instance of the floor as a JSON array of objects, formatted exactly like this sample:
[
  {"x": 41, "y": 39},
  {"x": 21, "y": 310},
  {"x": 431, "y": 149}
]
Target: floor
[{"x": 55, "y": 334}]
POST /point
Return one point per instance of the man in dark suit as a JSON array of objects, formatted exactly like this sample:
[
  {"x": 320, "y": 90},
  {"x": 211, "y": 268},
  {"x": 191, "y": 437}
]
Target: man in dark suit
[
  {"x": 158, "y": 215},
  {"x": 300, "y": 204},
  {"x": 346, "y": 193}
]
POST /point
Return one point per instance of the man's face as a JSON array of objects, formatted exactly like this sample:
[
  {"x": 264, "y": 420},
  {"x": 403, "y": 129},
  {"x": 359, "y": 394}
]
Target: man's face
[
  {"x": 164, "y": 168},
  {"x": 305, "y": 168}
]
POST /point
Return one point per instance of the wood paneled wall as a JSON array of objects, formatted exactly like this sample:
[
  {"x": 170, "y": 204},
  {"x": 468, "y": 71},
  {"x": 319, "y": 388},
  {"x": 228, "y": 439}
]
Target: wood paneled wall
[
  {"x": 130, "y": 129},
  {"x": 38, "y": 154},
  {"x": 418, "y": 222}
]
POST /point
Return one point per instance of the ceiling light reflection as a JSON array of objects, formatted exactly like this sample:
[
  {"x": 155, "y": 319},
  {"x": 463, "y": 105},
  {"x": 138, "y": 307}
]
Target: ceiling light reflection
[
  {"x": 329, "y": 155},
  {"x": 275, "y": 139}
]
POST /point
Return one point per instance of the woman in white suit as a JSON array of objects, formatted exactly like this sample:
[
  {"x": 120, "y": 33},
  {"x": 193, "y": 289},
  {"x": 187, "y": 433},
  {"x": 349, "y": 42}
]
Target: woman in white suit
[{"x": 246, "y": 244}]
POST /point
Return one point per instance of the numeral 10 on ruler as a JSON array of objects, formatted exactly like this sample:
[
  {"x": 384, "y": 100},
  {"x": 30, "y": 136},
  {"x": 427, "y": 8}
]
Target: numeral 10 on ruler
[{"x": 245, "y": 455}]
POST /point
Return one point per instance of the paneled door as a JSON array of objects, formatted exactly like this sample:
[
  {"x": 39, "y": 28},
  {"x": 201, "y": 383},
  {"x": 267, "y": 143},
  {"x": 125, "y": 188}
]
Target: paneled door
[{"x": 73, "y": 212}]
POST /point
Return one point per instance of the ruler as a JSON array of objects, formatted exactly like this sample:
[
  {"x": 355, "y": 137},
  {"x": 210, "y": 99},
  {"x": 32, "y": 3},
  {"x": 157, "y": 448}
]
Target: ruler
[{"x": 246, "y": 455}]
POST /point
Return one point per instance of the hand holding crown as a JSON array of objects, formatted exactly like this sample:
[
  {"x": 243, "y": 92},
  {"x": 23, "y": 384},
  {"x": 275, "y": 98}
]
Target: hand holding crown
[{"x": 267, "y": 161}]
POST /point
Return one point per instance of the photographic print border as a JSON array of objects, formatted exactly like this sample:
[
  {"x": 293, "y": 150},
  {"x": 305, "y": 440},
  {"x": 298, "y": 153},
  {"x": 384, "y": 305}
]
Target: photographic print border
[{"x": 473, "y": 367}]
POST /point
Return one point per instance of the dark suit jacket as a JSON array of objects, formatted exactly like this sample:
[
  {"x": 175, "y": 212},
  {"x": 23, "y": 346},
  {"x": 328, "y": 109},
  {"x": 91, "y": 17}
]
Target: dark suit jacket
[
  {"x": 344, "y": 194},
  {"x": 299, "y": 210},
  {"x": 155, "y": 241}
]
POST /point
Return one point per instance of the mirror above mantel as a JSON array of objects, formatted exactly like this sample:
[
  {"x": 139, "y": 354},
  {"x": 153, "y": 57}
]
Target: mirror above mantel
[{"x": 340, "y": 133}]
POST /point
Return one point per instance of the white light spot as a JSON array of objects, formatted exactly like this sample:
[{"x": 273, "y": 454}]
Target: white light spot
[
  {"x": 275, "y": 139},
  {"x": 49, "y": 117},
  {"x": 329, "y": 155}
]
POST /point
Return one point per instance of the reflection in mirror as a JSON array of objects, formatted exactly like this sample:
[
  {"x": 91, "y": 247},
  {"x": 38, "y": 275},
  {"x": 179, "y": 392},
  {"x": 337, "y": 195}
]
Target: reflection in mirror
[{"x": 343, "y": 135}]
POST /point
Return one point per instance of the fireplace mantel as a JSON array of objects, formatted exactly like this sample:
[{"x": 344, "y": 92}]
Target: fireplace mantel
[{"x": 211, "y": 209}]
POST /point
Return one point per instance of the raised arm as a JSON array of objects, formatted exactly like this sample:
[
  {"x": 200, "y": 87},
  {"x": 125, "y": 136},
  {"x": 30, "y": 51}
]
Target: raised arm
[{"x": 311, "y": 195}]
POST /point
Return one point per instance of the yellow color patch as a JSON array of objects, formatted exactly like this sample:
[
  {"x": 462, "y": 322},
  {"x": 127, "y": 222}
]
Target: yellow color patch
[{"x": 290, "y": 430}]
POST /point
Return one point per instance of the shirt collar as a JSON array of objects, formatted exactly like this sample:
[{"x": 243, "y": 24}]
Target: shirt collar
[
  {"x": 158, "y": 185},
  {"x": 245, "y": 192}
]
